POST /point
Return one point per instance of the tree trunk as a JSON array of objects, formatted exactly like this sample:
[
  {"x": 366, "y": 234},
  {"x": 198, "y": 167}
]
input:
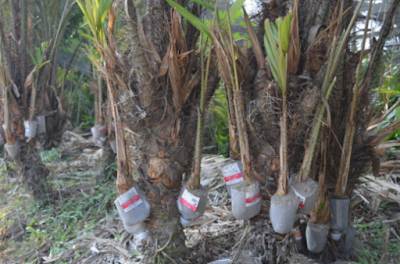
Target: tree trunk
[
  {"x": 158, "y": 99},
  {"x": 31, "y": 85}
]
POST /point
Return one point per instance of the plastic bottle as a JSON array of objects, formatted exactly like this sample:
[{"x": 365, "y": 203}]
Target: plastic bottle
[
  {"x": 283, "y": 211},
  {"x": 41, "y": 128},
  {"x": 30, "y": 128},
  {"x": 298, "y": 238},
  {"x": 233, "y": 174},
  {"x": 191, "y": 204},
  {"x": 246, "y": 200},
  {"x": 133, "y": 210},
  {"x": 307, "y": 193},
  {"x": 13, "y": 150},
  {"x": 316, "y": 236},
  {"x": 340, "y": 213}
]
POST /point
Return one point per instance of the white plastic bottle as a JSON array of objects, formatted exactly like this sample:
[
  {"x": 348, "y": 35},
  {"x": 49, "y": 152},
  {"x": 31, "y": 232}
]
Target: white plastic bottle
[
  {"x": 192, "y": 203},
  {"x": 233, "y": 175},
  {"x": 133, "y": 210}
]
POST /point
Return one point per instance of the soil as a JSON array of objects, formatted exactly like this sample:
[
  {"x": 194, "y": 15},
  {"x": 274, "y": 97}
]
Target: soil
[
  {"x": 318, "y": 226},
  {"x": 305, "y": 188},
  {"x": 242, "y": 187},
  {"x": 288, "y": 199},
  {"x": 198, "y": 192}
]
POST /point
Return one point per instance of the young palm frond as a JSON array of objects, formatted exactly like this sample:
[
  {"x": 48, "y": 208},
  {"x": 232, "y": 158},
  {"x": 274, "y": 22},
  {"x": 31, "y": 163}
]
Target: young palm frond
[{"x": 276, "y": 41}]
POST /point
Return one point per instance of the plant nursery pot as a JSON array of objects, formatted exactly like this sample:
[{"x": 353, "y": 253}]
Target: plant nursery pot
[
  {"x": 2, "y": 140},
  {"x": 347, "y": 241},
  {"x": 246, "y": 200},
  {"x": 316, "y": 236},
  {"x": 113, "y": 126},
  {"x": 41, "y": 127},
  {"x": 113, "y": 144},
  {"x": 340, "y": 213},
  {"x": 30, "y": 128},
  {"x": 133, "y": 209},
  {"x": 12, "y": 150},
  {"x": 192, "y": 203},
  {"x": 307, "y": 192},
  {"x": 99, "y": 132},
  {"x": 233, "y": 174},
  {"x": 283, "y": 211}
]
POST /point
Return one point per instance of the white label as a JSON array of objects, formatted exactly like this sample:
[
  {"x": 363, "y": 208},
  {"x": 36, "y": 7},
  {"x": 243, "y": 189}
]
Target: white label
[
  {"x": 189, "y": 200},
  {"x": 302, "y": 198},
  {"x": 129, "y": 200},
  {"x": 232, "y": 174},
  {"x": 26, "y": 125},
  {"x": 252, "y": 198}
]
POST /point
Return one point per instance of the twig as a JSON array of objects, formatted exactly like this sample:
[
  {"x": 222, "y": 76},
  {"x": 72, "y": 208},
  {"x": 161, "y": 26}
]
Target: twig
[
  {"x": 166, "y": 244},
  {"x": 168, "y": 257},
  {"x": 241, "y": 244}
]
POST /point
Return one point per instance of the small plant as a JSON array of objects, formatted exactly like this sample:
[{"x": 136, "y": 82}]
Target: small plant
[
  {"x": 276, "y": 40},
  {"x": 48, "y": 156}
]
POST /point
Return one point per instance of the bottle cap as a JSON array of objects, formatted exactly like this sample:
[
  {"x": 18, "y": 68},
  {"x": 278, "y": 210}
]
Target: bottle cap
[{"x": 336, "y": 235}]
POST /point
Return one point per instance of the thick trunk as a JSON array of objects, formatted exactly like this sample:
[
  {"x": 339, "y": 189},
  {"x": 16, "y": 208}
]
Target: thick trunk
[
  {"x": 105, "y": 172},
  {"x": 30, "y": 168}
]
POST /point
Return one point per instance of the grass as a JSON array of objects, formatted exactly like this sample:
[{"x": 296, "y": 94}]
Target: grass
[{"x": 56, "y": 224}]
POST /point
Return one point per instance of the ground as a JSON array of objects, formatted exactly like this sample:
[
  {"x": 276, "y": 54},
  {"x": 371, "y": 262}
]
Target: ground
[{"x": 82, "y": 225}]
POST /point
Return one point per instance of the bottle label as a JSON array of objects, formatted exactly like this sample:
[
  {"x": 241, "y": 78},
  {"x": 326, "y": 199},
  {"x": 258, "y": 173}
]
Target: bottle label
[
  {"x": 26, "y": 125},
  {"x": 102, "y": 129},
  {"x": 129, "y": 200},
  {"x": 297, "y": 233},
  {"x": 252, "y": 198},
  {"x": 232, "y": 174},
  {"x": 189, "y": 200},
  {"x": 302, "y": 198}
]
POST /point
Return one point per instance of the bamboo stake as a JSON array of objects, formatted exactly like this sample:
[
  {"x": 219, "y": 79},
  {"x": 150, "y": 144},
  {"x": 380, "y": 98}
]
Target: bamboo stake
[{"x": 344, "y": 166}]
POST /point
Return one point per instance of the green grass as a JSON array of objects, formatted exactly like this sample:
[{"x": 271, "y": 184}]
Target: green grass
[
  {"x": 373, "y": 248},
  {"x": 56, "y": 223}
]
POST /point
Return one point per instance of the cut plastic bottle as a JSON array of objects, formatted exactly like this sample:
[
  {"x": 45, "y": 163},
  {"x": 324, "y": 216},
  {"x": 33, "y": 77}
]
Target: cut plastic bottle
[
  {"x": 316, "y": 236},
  {"x": 233, "y": 174},
  {"x": 133, "y": 210},
  {"x": 307, "y": 193},
  {"x": 41, "y": 127},
  {"x": 30, "y": 128},
  {"x": 346, "y": 242},
  {"x": 283, "y": 211},
  {"x": 246, "y": 200},
  {"x": 99, "y": 132},
  {"x": 298, "y": 238},
  {"x": 13, "y": 150},
  {"x": 340, "y": 213},
  {"x": 191, "y": 204}
]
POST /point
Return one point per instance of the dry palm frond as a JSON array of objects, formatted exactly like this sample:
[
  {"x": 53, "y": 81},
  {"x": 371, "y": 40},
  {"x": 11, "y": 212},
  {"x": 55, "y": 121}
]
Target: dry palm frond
[{"x": 175, "y": 62}]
